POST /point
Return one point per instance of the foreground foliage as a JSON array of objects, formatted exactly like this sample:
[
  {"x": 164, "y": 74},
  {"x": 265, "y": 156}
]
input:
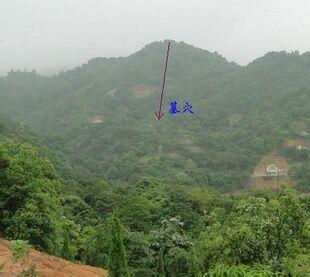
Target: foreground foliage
[{"x": 158, "y": 230}]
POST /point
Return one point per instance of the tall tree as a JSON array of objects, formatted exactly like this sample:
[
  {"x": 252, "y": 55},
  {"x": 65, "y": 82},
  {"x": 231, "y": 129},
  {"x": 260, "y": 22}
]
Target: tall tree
[
  {"x": 161, "y": 263},
  {"x": 117, "y": 261},
  {"x": 29, "y": 203}
]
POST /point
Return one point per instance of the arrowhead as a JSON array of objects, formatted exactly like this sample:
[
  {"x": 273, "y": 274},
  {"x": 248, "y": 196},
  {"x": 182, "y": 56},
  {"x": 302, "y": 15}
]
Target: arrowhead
[{"x": 159, "y": 115}]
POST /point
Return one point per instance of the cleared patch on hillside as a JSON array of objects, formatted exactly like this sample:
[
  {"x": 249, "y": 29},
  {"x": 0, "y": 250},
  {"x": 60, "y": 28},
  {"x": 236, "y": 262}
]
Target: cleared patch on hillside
[
  {"x": 272, "y": 183},
  {"x": 111, "y": 92},
  {"x": 273, "y": 158},
  {"x": 260, "y": 181},
  {"x": 301, "y": 127},
  {"x": 95, "y": 119},
  {"x": 195, "y": 148},
  {"x": 234, "y": 118},
  {"x": 190, "y": 145},
  {"x": 45, "y": 265},
  {"x": 174, "y": 155},
  {"x": 143, "y": 90},
  {"x": 297, "y": 143}
]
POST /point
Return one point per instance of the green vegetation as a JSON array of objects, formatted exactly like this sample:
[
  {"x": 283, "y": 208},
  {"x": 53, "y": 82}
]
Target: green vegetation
[
  {"x": 29, "y": 206},
  {"x": 145, "y": 198},
  {"x": 20, "y": 249},
  {"x": 240, "y": 114},
  {"x": 163, "y": 229},
  {"x": 241, "y": 271},
  {"x": 117, "y": 261}
]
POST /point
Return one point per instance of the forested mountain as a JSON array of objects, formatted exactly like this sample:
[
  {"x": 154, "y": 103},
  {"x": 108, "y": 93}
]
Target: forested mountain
[
  {"x": 7, "y": 128},
  {"x": 101, "y": 114},
  {"x": 88, "y": 174}
]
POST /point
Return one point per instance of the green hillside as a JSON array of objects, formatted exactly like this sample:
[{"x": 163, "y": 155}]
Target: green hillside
[
  {"x": 7, "y": 129},
  {"x": 148, "y": 228},
  {"x": 88, "y": 174},
  {"x": 101, "y": 115},
  {"x": 11, "y": 130}
]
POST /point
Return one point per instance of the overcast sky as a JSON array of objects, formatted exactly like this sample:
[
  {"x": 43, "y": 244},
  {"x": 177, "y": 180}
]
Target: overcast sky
[{"x": 50, "y": 35}]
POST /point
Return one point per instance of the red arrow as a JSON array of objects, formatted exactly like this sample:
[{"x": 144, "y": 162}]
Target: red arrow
[{"x": 160, "y": 114}]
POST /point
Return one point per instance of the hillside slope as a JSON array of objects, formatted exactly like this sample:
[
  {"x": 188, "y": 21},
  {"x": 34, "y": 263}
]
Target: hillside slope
[
  {"x": 45, "y": 265},
  {"x": 101, "y": 115}
]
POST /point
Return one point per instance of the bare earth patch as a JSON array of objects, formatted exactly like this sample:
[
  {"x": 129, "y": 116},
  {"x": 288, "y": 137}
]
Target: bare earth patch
[
  {"x": 270, "y": 182},
  {"x": 190, "y": 144},
  {"x": 111, "y": 92},
  {"x": 298, "y": 143},
  {"x": 272, "y": 158},
  {"x": 174, "y": 156},
  {"x": 234, "y": 118},
  {"x": 143, "y": 90},
  {"x": 301, "y": 127},
  {"x": 45, "y": 265},
  {"x": 195, "y": 148},
  {"x": 95, "y": 119}
]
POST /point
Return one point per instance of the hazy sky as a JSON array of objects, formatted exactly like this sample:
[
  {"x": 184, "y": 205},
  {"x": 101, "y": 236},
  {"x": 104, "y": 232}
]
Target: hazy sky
[{"x": 50, "y": 35}]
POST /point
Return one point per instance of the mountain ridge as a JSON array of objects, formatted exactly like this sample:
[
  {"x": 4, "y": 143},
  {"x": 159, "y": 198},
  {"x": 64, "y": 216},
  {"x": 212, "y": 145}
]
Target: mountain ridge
[{"x": 123, "y": 94}]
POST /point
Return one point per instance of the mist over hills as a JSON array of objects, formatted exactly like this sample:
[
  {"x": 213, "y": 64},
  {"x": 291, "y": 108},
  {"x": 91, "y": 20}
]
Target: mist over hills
[{"x": 101, "y": 115}]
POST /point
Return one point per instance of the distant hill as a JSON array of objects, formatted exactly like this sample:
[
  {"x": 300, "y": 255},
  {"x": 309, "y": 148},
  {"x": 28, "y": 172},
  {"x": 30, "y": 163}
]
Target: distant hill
[
  {"x": 101, "y": 115},
  {"x": 8, "y": 128}
]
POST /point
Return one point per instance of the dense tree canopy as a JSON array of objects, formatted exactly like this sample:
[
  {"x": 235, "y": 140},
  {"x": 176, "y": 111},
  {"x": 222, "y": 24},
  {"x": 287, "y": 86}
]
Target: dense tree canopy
[
  {"x": 98, "y": 181},
  {"x": 29, "y": 204},
  {"x": 160, "y": 228},
  {"x": 100, "y": 115}
]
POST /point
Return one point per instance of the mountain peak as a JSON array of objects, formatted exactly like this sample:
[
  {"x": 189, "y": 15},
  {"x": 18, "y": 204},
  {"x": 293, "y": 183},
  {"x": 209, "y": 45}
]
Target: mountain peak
[
  {"x": 179, "y": 49},
  {"x": 173, "y": 44}
]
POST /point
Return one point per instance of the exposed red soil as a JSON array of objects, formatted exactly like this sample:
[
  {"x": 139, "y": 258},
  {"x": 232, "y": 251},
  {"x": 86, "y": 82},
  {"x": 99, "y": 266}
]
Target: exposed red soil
[{"x": 44, "y": 264}]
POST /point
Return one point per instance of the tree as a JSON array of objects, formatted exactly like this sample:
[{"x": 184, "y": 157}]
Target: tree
[
  {"x": 241, "y": 271},
  {"x": 29, "y": 203},
  {"x": 21, "y": 250},
  {"x": 117, "y": 260},
  {"x": 175, "y": 245},
  {"x": 161, "y": 263},
  {"x": 257, "y": 231},
  {"x": 94, "y": 245}
]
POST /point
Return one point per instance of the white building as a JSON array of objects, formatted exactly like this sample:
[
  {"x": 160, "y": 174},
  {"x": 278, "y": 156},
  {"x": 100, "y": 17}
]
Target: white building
[{"x": 273, "y": 170}]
